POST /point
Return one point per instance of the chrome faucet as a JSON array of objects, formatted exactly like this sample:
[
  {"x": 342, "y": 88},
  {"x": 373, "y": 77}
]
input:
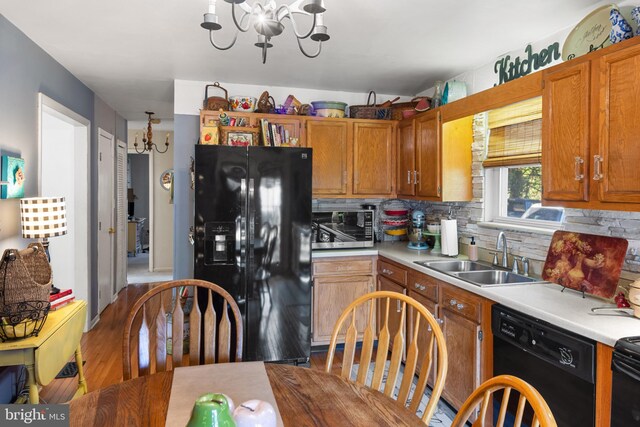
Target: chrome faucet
[{"x": 501, "y": 243}]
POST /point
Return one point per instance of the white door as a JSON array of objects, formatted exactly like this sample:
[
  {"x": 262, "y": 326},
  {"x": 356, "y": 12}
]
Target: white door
[
  {"x": 121, "y": 216},
  {"x": 106, "y": 226}
]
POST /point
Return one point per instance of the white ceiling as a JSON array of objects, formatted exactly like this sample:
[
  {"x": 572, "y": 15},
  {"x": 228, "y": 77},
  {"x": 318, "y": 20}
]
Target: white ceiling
[{"x": 129, "y": 52}]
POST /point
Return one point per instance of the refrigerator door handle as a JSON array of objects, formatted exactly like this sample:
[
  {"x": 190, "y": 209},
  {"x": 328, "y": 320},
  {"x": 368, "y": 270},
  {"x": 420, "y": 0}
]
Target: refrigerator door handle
[
  {"x": 241, "y": 236},
  {"x": 241, "y": 232},
  {"x": 252, "y": 214}
]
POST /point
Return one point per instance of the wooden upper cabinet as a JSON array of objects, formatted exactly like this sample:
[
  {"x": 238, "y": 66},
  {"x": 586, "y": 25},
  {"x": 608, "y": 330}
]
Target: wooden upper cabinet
[
  {"x": 329, "y": 140},
  {"x": 565, "y": 133},
  {"x": 428, "y": 145},
  {"x": 619, "y": 127},
  {"x": 373, "y": 158},
  {"x": 406, "y": 152}
]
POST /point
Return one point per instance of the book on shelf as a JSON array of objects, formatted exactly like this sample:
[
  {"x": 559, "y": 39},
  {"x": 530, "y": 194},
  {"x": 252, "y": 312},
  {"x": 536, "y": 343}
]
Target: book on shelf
[
  {"x": 62, "y": 293},
  {"x": 59, "y": 304},
  {"x": 274, "y": 135},
  {"x": 62, "y": 302},
  {"x": 264, "y": 126}
]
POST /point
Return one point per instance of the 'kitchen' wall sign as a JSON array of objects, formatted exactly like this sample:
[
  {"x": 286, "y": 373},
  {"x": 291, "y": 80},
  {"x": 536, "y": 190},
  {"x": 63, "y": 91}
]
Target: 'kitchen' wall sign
[{"x": 508, "y": 69}]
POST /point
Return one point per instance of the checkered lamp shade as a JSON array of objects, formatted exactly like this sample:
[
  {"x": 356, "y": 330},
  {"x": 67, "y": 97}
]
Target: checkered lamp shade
[{"x": 43, "y": 217}]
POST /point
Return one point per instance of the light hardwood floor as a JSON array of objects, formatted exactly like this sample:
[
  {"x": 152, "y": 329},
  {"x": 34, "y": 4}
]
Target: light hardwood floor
[{"x": 102, "y": 350}]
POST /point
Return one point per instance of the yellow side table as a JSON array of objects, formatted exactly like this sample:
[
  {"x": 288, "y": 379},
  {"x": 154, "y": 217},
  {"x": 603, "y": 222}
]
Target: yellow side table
[{"x": 45, "y": 355}]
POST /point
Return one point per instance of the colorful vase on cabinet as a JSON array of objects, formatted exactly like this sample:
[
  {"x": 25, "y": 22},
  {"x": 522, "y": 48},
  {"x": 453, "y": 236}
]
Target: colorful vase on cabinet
[
  {"x": 620, "y": 28},
  {"x": 635, "y": 15}
]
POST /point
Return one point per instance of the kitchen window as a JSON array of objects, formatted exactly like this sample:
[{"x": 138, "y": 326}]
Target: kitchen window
[{"x": 513, "y": 174}]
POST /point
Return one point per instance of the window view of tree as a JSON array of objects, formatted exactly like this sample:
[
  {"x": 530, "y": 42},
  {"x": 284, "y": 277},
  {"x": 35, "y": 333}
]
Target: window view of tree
[
  {"x": 524, "y": 193},
  {"x": 524, "y": 187},
  {"x": 525, "y": 182}
]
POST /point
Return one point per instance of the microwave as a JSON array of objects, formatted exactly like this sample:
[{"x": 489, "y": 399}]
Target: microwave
[{"x": 342, "y": 229}]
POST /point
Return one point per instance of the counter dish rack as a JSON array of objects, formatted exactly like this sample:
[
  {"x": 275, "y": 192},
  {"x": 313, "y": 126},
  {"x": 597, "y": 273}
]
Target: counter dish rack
[{"x": 393, "y": 219}]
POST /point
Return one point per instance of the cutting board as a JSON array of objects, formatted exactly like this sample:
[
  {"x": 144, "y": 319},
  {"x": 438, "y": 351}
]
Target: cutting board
[
  {"x": 240, "y": 381},
  {"x": 585, "y": 262}
]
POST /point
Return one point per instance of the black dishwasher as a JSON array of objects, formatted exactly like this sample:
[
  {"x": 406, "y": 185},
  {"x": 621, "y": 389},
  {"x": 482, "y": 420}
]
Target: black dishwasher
[
  {"x": 625, "y": 397},
  {"x": 558, "y": 363}
]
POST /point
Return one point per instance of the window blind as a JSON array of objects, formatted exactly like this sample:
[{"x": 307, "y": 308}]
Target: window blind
[{"x": 515, "y": 134}]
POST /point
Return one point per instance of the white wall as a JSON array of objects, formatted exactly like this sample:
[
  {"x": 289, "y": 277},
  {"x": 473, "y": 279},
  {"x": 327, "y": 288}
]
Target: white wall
[
  {"x": 484, "y": 77},
  {"x": 189, "y": 95}
]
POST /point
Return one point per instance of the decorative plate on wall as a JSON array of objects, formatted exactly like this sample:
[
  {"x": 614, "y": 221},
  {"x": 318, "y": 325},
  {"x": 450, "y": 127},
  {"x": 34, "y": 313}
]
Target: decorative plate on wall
[
  {"x": 592, "y": 33},
  {"x": 585, "y": 262}
]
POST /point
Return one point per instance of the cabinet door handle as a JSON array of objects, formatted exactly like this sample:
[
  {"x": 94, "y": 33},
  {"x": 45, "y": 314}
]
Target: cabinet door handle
[
  {"x": 398, "y": 306},
  {"x": 460, "y": 306},
  {"x": 597, "y": 165},
  {"x": 385, "y": 271},
  {"x": 578, "y": 165},
  {"x": 453, "y": 302},
  {"x": 415, "y": 177},
  {"x": 419, "y": 286},
  {"x": 440, "y": 321},
  {"x": 409, "y": 177}
]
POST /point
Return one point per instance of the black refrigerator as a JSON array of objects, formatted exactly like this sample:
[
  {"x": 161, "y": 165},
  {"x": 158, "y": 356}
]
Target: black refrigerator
[{"x": 253, "y": 238}]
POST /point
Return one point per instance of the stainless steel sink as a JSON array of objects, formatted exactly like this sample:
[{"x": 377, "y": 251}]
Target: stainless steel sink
[
  {"x": 493, "y": 277},
  {"x": 478, "y": 273},
  {"x": 454, "y": 266}
]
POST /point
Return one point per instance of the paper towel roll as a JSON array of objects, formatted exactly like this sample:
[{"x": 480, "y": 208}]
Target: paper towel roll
[{"x": 449, "y": 232}]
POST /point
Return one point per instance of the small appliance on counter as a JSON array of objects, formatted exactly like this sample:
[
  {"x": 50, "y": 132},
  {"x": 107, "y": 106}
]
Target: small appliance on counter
[
  {"x": 417, "y": 227},
  {"x": 342, "y": 229}
]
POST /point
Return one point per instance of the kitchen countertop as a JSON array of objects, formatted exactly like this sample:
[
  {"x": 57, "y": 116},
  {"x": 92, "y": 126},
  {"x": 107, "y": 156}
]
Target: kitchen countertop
[{"x": 567, "y": 310}]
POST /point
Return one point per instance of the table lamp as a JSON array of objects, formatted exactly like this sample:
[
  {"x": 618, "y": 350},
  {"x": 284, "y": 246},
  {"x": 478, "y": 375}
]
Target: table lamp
[{"x": 42, "y": 218}]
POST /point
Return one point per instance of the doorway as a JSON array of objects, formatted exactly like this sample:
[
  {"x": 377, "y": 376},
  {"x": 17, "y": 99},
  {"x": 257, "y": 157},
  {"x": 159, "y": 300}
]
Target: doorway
[
  {"x": 150, "y": 209},
  {"x": 63, "y": 162}
]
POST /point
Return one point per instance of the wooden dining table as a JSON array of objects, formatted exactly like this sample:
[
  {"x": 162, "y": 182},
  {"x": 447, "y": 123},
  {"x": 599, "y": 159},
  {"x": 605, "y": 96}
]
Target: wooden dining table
[{"x": 305, "y": 397}]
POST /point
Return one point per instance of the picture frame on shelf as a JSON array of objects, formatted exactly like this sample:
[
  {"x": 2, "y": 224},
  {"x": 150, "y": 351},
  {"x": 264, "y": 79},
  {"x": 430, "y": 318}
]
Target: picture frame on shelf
[
  {"x": 239, "y": 136},
  {"x": 209, "y": 134}
]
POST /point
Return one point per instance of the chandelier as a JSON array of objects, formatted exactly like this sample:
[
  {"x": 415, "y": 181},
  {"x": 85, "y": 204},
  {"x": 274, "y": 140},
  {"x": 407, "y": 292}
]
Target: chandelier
[
  {"x": 147, "y": 138},
  {"x": 267, "y": 20}
]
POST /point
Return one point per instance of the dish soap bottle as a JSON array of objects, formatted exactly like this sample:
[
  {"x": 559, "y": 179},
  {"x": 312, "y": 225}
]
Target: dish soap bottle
[{"x": 473, "y": 250}]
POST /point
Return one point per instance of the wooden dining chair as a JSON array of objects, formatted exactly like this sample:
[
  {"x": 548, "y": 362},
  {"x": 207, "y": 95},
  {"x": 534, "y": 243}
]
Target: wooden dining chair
[
  {"x": 542, "y": 416},
  {"x": 363, "y": 311},
  {"x": 146, "y": 329}
]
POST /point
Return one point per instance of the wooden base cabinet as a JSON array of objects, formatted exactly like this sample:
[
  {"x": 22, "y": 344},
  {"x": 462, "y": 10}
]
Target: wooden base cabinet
[
  {"x": 395, "y": 322},
  {"x": 392, "y": 277},
  {"x": 466, "y": 325},
  {"x": 337, "y": 283},
  {"x": 424, "y": 333}
]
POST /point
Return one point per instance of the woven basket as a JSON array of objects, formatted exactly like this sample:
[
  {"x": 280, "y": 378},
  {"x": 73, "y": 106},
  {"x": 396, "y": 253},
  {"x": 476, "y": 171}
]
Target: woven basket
[
  {"x": 398, "y": 109},
  {"x": 370, "y": 111},
  {"x": 25, "y": 284}
]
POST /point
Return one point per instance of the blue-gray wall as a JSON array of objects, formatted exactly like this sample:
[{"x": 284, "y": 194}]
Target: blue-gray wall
[
  {"x": 26, "y": 70},
  {"x": 186, "y": 131}
]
